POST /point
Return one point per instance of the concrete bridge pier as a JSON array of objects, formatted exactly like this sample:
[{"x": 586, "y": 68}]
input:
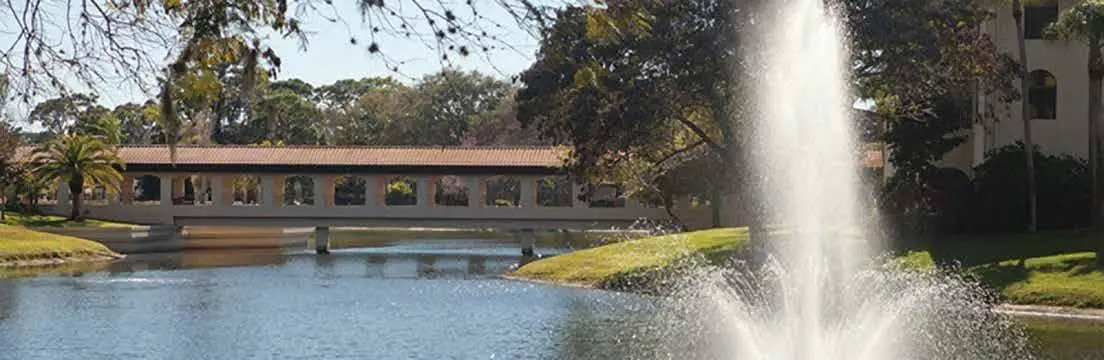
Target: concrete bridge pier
[
  {"x": 528, "y": 239},
  {"x": 322, "y": 240}
]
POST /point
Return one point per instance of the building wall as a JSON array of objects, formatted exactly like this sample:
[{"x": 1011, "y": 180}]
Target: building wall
[{"x": 1067, "y": 62}]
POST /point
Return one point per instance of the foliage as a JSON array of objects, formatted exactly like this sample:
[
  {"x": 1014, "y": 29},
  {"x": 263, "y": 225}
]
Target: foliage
[
  {"x": 640, "y": 89},
  {"x": 139, "y": 123},
  {"x": 1064, "y": 187},
  {"x": 401, "y": 191},
  {"x": 103, "y": 43},
  {"x": 1081, "y": 22},
  {"x": 449, "y": 101},
  {"x": 78, "y": 161},
  {"x": 58, "y": 115}
]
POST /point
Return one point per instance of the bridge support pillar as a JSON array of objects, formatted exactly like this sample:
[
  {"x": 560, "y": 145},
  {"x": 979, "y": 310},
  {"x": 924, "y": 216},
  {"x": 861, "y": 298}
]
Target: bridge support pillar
[
  {"x": 322, "y": 240},
  {"x": 528, "y": 239}
]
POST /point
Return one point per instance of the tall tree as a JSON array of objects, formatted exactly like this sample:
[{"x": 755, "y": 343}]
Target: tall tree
[
  {"x": 1084, "y": 22},
  {"x": 282, "y": 114},
  {"x": 67, "y": 112},
  {"x": 653, "y": 82},
  {"x": 1025, "y": 114},
  {"x": 9, "y": 174},
  {"x": 139, "y": 123},
  {"x": 449, "y": 100},
  {"x": 78, "y": 161}
]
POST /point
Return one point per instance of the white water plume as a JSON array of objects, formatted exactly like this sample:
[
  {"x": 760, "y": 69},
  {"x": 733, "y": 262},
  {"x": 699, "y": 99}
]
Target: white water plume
[{"x": 820, "y": 295}]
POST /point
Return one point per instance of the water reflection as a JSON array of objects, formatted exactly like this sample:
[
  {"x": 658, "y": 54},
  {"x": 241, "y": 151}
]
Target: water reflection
[{"x": 416, "y": 300}]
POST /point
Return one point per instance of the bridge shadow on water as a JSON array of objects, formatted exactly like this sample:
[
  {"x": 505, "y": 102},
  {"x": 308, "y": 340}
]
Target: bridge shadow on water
[{"x": 413, "y": 259}]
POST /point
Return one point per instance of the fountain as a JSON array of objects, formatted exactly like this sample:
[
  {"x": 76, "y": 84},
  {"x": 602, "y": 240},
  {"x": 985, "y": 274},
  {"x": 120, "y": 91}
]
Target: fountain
[{"x": 821, "y": 294}]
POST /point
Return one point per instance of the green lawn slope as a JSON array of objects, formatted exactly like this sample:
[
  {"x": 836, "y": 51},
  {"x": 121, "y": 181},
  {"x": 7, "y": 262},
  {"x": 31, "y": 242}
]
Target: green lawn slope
[
  {"x": 55, "y": 221},
  {"x": 22, "y": 246},
  {"x": 607, "y": 266},
  {"x": 1046, "y": 268}
]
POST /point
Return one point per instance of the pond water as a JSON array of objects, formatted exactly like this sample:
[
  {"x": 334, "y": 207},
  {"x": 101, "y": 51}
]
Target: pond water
[{"x": 420, "y": 299}]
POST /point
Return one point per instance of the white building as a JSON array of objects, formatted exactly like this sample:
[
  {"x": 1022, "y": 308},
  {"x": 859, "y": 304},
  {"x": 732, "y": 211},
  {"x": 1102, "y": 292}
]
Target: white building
[{"x": 1058, "y": 94}]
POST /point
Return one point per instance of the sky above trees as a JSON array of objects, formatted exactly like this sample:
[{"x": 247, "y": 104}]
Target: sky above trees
[{"x": 330, "y": 55}]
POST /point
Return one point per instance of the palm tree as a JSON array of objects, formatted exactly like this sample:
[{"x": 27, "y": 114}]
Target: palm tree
[
  {"x": 78, "y": 160},
  {"x": 1025, "y": 109},
  {"x": 1085, "y": 22}
]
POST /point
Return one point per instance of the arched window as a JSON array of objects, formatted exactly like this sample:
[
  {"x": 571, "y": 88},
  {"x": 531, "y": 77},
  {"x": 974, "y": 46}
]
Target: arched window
[
  {"x": 450, "y": 191},
  {"x": 1038, "y": 14},
  {"x": 1042, "y": 95}
]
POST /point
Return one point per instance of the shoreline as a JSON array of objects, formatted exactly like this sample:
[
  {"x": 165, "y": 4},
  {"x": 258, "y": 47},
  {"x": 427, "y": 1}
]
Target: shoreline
[
  {"x": 1017, "y": 310},
  {"x": 57, "y": 261}
]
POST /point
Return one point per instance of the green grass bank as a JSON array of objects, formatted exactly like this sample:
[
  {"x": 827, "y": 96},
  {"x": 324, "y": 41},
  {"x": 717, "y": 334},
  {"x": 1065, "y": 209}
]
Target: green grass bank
[
  {"x": 627, "y": 265},
  {"x": 15, "y": 219},
  {"x": 20, "y": 246},
  {"x": 1047, "y": 268}
]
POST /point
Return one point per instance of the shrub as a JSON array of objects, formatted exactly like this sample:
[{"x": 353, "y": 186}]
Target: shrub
[{"x": 1000, "y": 203}]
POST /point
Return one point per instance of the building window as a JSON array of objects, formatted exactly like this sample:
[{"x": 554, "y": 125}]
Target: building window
[
  {"x": 1038, "y": 14},
  {"x": 1042, "y": 95}
]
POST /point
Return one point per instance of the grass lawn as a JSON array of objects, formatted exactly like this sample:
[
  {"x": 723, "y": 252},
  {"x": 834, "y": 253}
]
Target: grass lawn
[
  {"x": 14, "y": 219},
  {"x": 19, "y": 244},
  {"x": 1064, "y": 339},
  {"x": 1057, "y": 268},
  {"x": 600, "y": 266}
]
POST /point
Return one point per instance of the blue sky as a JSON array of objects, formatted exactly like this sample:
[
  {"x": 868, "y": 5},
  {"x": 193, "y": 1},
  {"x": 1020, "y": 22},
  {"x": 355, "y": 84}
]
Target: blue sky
[{"x": 330, "y": 56}]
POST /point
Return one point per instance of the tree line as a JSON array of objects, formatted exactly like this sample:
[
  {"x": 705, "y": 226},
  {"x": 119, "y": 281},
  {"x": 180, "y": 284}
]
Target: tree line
[
  {"x": 450, "y": 107},
  {"x": 656, "y": 95}
]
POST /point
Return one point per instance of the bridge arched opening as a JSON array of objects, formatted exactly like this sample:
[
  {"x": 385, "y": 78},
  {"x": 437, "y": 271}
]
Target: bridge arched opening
[
  {"x": 607, "y": 196},
  {"x": 146, "y": 190},
  {"x": 95, "y": 195},
  {"x": 401, "y": 191},
  {"x": 247, "y": 190},
  {"x": 298, "y": 191},
  {"x": 502, "y": 191},
  {"x": 350, "y": 191},
  {"x": 191, "y": 190},
  {"x": 450, "y": 191},
  {"x": 554, "y": 191}
]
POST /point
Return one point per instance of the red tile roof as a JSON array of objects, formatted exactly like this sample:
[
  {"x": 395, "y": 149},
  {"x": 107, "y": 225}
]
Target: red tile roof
[{"x": 231, "y": 155}]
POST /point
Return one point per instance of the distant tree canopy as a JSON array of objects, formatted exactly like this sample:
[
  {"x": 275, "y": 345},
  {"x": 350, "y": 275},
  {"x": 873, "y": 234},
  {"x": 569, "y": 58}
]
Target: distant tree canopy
[{"x": 447, "y": 108}]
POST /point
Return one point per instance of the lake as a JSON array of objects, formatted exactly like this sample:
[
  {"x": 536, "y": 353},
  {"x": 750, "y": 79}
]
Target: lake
[{"x": 420, "y": 299}]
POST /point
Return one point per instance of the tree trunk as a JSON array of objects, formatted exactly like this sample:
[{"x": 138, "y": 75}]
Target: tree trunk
[
  {"x": 76, "y": 188},
  {"x": 1025, "y": 114},
  {"x": 1096, "y": 78}
]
